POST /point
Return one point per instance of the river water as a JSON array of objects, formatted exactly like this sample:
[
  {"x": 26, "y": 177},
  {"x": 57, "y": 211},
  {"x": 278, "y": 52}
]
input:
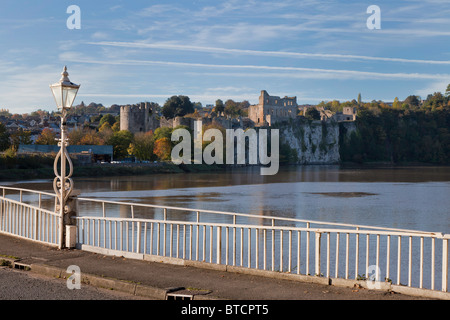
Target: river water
[{"x": 403, "y": 197}]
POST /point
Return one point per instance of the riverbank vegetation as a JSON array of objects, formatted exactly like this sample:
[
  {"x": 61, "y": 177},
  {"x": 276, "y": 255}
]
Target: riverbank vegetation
[{"x": 407, "y": 132}]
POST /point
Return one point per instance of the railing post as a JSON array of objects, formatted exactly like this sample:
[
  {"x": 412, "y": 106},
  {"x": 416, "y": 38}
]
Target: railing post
[
  {"x": 317, "y": 256},
  {"x": 444, "y": 264},
  {"x": 219, "y": 245},
  {"x": 138, "y": 239}
]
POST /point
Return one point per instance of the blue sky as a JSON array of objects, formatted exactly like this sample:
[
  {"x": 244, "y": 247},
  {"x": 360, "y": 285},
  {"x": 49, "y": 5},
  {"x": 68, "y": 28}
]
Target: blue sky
[{"x": 133, "y": 51}]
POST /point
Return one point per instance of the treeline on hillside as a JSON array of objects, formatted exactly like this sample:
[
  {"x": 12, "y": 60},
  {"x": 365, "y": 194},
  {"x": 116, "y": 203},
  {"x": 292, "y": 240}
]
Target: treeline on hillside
[{"x": 398, "y": 136}]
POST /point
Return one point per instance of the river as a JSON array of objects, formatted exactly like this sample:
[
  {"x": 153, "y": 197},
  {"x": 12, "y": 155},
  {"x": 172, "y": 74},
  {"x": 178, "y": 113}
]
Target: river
[{"x": 401, "y": 197}]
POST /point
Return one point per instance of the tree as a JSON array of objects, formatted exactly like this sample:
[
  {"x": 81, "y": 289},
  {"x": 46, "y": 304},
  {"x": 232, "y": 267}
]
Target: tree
[
  {"x": 359, "y": 98},
  {"x": 120, "y": 141},
  {"x": 219, "y": 106},
  {"x": 4, "y": 138},
  {"x": 312, "y": 114},
  {"x": 447, "y": 92},
  {"x": 91, "y": 137},
  {"x": 177, "y": 106},
  {"x": 105, "y": 131},
  {"x": 75, "y": 136},
  {"x": 412, "y": 101},
  {"x": 396, "y": 104},
  {"x": 107, "y": 118},
  {"x": 47, "y": 137},
  {"x": 163, "y": 149},
  {"x": 163, "y": 132},
  {"x": 142, "y": 146},
  {"x": 104, "y": 126},
  {"x": 116, "y": 127},
  {"x": 20, "y": 137}
]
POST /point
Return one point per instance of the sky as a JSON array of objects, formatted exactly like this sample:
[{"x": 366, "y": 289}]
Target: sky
[{"x": 127, "y": 52}]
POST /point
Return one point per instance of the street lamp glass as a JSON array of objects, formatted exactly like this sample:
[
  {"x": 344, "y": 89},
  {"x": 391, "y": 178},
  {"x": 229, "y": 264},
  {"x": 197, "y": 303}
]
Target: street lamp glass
[{"x": 64, "y": 91}]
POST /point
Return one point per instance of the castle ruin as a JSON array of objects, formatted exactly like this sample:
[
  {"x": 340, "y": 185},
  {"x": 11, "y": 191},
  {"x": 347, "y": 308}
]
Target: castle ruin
[
  {"x": 272, "y": 109},
  {"x": 138, "y": 118}
]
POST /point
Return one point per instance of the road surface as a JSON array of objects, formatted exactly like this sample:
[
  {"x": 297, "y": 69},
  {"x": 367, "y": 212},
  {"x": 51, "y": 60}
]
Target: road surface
[{"x": 25, "y": 285}]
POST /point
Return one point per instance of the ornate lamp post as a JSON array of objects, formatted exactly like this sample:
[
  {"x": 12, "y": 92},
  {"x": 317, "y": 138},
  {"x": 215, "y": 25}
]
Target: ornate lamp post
[{"x": 64, "y": 93}]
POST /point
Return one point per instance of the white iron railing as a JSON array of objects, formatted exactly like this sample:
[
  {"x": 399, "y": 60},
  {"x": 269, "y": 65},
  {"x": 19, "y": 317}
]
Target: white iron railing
[
  {"x": 335, "y": 250},
  {"x": 28, "y": 214},
  {"x": 405, "y": 257}
]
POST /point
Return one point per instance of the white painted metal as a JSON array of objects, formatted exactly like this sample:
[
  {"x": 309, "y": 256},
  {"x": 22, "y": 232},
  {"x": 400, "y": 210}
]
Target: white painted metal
[
  {"x": 193, "y": 239},
  {"x": 278, "y": 250}
]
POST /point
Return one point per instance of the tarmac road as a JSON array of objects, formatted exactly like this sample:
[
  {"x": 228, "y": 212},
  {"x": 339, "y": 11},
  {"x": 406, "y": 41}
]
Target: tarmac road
[{"x": 24, "y": 285}]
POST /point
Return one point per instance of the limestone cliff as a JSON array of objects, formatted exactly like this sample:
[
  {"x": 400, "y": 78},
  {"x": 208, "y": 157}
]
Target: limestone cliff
[{"x": 310, "y": 142}]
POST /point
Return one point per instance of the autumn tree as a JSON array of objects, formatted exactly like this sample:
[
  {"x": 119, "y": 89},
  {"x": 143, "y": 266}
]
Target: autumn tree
[
  {"x": 396, "y": 104},
  {"x": 75, "y": 136},
  {"x": 47, "y": 137},
  {"x": 91, "y": 137},
  {"x": 163, "y": 149}
]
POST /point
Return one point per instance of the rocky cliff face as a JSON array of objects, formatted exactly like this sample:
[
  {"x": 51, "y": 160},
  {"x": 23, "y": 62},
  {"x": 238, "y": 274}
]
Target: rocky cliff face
[{"x": 313, "y": 142}]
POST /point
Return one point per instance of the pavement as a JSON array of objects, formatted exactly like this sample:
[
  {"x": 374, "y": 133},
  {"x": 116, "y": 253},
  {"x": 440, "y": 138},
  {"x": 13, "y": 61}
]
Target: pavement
[{"x": 158, "y": 281}]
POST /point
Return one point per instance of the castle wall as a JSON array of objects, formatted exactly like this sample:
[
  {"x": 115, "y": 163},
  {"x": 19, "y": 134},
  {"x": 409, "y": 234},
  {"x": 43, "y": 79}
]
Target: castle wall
[
  {"x": 137, "y": 118},
  {"x": 272, "y": 109}
]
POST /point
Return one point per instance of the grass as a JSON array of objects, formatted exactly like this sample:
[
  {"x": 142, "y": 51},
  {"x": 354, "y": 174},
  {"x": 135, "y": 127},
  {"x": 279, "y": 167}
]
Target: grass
[{"x": 9, "y": 257}]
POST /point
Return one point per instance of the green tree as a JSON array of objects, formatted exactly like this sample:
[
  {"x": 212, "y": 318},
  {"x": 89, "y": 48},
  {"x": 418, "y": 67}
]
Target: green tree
[
  {"x": 4, "y": 138},
  {"x": 359, "y": 98},
  {"x": 177, "y": 106},
  {"x": 412, "y": 101},
  {"x": 120, "y": 141},
  {"x": 447, "y": 92},
  {"x": 107, "y": 118},
  {"x": 163, "y": 132},
  {"x": 20, "y": 137},
  {"x": 142, "y": 146},
  {"x": 312, "y": 114},
  {"x": 219, "y": 106}
]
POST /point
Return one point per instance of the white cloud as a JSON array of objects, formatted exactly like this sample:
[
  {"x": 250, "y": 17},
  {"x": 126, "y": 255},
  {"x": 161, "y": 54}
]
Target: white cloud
[
  {"x": 435, "y": 86},
  {"x": 349, "y": 74},
  {"x": 99, "y": 35},
  {"x": 181, "y": 47}
]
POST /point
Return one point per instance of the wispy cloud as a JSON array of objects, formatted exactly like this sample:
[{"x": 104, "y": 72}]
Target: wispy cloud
[
  {"x": 180, "y": 47},
  {"x": 348, "y": 73}
]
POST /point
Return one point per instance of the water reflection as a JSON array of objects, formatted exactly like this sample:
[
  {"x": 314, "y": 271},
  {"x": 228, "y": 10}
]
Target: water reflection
[{"x": 406, "y": 197}]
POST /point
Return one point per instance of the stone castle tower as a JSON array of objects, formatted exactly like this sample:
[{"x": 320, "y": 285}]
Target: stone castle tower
[
  {"x": 272, "y": 109},
  {"x": 138, "y": 118}
]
